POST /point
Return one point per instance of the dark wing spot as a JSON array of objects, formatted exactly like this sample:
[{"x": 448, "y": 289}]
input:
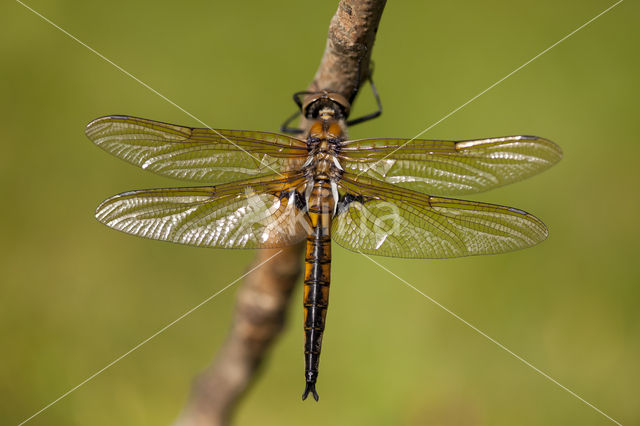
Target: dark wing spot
[{"x": 343, "y": 203}]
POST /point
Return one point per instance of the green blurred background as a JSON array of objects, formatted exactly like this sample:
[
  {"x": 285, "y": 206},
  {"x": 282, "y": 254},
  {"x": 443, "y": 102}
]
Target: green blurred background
[{"x": 76, "y": 295}]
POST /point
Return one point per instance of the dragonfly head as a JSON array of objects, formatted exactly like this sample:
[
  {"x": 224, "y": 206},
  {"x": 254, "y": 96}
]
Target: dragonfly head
[{"x": 325, "y": 105}]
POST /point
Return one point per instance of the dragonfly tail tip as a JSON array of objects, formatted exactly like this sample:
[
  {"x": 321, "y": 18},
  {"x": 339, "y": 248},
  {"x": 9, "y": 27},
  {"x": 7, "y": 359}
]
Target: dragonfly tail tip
[{"x": 311, "y": 387}]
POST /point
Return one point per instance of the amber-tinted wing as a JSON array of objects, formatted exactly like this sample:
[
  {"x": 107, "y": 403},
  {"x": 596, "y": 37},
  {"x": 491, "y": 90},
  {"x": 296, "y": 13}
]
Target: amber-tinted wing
[
  {"x": 213, "y": 156},
  {"x": 376, "y": 218},
  {"x": 256, "y": 213},
  {"x": 447, "y": 167}
]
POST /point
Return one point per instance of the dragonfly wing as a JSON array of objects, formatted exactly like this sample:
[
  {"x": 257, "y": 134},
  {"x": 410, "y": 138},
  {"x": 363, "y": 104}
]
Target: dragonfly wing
[
  {"x": 447, "y": 167},
  {"x": 207, "y": 155},
  {"x": 380, "y": 219},
  {"x": 257, "y": 213}
]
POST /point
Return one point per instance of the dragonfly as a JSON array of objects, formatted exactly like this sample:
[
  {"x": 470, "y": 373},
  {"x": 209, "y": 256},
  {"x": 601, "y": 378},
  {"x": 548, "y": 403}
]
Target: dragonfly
[{"x": 383, "y": 196}]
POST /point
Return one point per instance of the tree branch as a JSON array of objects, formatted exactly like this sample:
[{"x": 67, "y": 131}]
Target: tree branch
[
  {"x": 346, "y": 58},
  {"x": 263, "y": 299}
]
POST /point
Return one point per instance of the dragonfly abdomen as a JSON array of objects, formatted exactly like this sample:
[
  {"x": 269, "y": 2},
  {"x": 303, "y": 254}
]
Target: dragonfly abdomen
[{"x": 317, "y": 278}]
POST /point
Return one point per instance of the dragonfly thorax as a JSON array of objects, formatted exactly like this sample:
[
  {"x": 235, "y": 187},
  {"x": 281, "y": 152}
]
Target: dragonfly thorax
[{"x": 323, "y": 142}]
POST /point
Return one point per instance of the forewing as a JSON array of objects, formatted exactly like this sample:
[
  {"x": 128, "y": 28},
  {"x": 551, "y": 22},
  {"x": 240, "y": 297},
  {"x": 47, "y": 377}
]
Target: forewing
[
  {"x": 257, "y": 213},
  {"x": 390, "y": 221},
  {"x": 213, "y": 156},
  {"x": 447, "y": 167}
]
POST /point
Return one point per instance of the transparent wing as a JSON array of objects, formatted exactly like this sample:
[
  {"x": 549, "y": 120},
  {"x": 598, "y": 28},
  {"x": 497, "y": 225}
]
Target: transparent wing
[
  {"x": 257, "y": 213},
  {"x": 449, "y": 168},
  {"x": 213, "y": 156},
  {"x": 377, "y": 218}
]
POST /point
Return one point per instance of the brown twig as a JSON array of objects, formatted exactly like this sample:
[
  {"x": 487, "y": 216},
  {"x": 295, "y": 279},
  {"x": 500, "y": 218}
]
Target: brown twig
[
  {"x": 352, "y": 32},
  {"x": 265, "y": 293}
]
